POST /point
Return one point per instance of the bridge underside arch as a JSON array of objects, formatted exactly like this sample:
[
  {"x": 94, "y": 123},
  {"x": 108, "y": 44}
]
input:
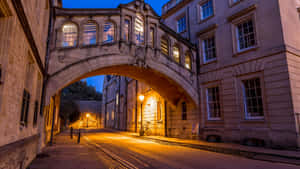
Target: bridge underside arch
[{"x": 169, "y": 83}]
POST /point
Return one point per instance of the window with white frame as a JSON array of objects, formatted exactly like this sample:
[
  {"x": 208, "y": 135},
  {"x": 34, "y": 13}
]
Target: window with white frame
[
  {"x": 181, "y": 24},
  {"x": 213, "y": 103},
  {"x": 206, "y": 9},
  {"x": 90, "y": 33},
  {"x": 245, "y": 33},
  {"x": 253, "y": 101},
  {"x": 108, "y": 32},
  {"x": 139, "y": 29},
  {"x": 70, "y": 35},
  {"x": 209, "y": 49}
]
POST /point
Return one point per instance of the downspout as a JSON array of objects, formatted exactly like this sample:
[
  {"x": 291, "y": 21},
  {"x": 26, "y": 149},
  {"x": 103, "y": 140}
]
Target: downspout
[
  {"x": 119, "y": 112},
  {"x": 45, "y": 79},
  {"x": 166, "y": 119},
  {"x": 189, "y": 23},
  {"x": 105, "y": 108},
  {"x": 136, "y": 104},
  {"x": 126, "y": 103}
]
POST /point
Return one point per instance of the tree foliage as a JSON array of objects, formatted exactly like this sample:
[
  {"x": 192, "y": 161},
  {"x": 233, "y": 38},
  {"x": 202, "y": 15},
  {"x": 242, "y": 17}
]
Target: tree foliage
[
  {"x": 80, "y": 91},
  {"x": 76, "y": 91}
]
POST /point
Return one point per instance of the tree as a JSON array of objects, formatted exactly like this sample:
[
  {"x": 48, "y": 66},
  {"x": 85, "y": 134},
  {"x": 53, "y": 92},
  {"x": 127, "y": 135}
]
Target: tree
[
  {"x": 76, "y": 91},
  {"x": 80, "y": 91}
]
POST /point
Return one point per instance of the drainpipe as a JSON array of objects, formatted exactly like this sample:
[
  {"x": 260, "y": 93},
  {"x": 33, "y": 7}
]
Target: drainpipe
[
  {"x": 166, "y": 119},
  {"x": 105, "y": 107},
  {"x": 119, "y": 112},
  {"x": 136, "y": 103},
  {"x": 189, "y": 23},
  {"x": 45, "y": 78},
  {"x": 126, "y": 103}
]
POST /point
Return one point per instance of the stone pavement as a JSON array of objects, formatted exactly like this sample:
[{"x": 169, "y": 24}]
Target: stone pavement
[
  {"x": 67, "y": 154},
  {"x": 257, "y": 153}
]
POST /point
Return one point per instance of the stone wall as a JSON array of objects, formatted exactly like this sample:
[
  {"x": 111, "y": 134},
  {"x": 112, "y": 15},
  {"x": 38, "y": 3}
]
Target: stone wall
[{"x": 21, "y": 65}]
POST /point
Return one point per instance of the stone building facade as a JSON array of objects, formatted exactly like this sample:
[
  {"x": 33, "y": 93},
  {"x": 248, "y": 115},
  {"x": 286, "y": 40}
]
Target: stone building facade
[
  {"x": 248, "y": 67},
  {"x": 23, "y": 47}
]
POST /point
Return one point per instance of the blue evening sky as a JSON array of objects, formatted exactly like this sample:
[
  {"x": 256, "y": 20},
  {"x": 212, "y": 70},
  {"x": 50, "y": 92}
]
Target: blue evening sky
[{"x": 97, "y": 81}]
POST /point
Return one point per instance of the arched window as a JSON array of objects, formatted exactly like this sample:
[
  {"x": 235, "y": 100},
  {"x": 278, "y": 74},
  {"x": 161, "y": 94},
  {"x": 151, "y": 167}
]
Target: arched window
[
  {"x": 90, "y": 33},
  {"x": 126, "y": 30},
  {"x": 139, "y": 30},
  {"x": 188, "y": 61},
  {"x": 70, "y": 35},
  {"x": 176, "y": 53},
  {"x": 152, "y": 40},
  {"x": 108, "y": 32},
  {"x": 164, "y": 46}
]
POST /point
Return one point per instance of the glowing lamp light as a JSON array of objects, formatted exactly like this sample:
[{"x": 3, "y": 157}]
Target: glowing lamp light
[
  {"x": 141, "y": 97},
  {"x": 88, "y": 115}
]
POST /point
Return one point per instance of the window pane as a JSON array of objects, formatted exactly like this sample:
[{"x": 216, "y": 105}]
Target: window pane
[
  {"x": 109, "y": 31},
  {"x": 139, "y": 29},
  {"x": 176, "y": 54},
  {"x": 152, "y": 37},
  {"x": 164, "y": 46},
  {"x": 213, "y": 103},
  {"x": 246, "y": 35},
  {"x": 70, "y": 33},
  {"x": 207, "y": 9},
  {"x": 126, "y": 29},
  {"x": 90, "y": 33},
  {"x": 188, "y": 61},
  {"x": 209, "y": 49},
  {"x": 253, "y": 98},
  {"x": 181, "y": 24}
]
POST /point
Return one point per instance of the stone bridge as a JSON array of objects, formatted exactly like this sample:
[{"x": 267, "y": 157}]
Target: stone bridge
[{"x": 130, "y": 41}]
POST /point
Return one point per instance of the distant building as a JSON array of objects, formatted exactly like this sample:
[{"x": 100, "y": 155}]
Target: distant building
[{"x": 90, "y": 114}]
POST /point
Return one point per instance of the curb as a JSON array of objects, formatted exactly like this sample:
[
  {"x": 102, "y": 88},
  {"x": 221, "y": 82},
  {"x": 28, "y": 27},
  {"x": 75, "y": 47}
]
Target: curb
[{"x": 237, "y": 152}]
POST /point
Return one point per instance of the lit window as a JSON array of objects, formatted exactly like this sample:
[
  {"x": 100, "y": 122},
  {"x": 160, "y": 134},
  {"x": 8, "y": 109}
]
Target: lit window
[
  {"x": 206, "y": 9},
  {"x": 181, "y": 24},
  {"x": 164, "y": 44},
  {"x": 109, "y": 32},
  {"x": 209, "y": 49},
  {"x": 90, "y": 33},
  {"x": 176, "y": 54},
  {"x": 152, "y": 37},
  {"x": 245, "y": 35},
  {"x": 158, "y": 110},
  {"x": 183, "y": 111},
  {"x": 126, "y": 30},
  {"x": 70, "y": 34},
  {"x": 213, "y": 103},
  {"x": 188, "y": 61},
  {"x": 253, "y": 101},
  {"x": 139, "y": 29}
]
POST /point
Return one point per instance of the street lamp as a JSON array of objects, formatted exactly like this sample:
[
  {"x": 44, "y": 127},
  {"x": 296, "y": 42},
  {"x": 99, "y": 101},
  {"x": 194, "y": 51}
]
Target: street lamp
[
  {"x": 141, "y": 98},
  {"x": 87, "y": 120}
]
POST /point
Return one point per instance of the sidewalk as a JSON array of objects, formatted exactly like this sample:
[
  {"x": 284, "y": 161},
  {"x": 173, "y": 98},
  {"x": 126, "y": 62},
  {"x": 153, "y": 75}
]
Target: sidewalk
[
  {"x": 258, "y": 153},
  {"x": 67, "y": 154}
]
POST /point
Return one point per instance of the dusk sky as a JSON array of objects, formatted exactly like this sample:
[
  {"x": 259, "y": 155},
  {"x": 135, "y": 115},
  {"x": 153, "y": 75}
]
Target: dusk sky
[{"x": 97, "y": 81}]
